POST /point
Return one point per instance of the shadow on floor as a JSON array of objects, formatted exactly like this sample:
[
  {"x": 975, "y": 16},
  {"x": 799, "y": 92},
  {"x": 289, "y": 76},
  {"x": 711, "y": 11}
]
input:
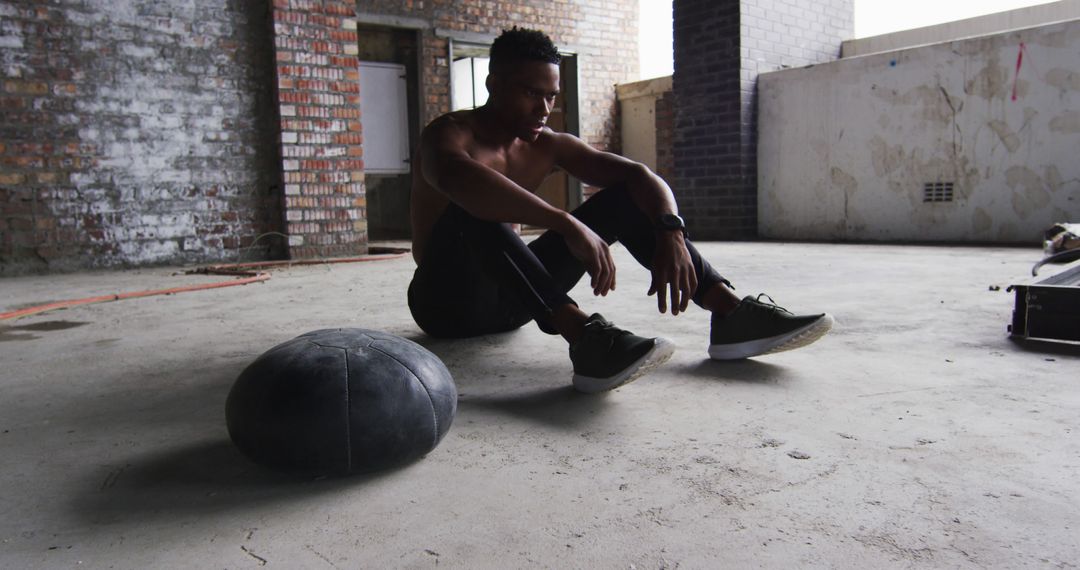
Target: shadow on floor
[
  {"x": 171, "y": 453},
  {"x": 196, "y": 479},
  {"x": 747, "y": 371},
  {"x": 450, "y": 347},
  {"x": 1046, "y": 346},
  {"x": 560, "y": 406}
]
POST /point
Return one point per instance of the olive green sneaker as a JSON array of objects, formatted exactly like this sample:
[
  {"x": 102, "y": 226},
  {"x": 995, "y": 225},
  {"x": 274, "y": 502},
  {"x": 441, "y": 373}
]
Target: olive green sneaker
[
  {"x": 755, "y": 328},
  {"x": 606, "y": 357}
]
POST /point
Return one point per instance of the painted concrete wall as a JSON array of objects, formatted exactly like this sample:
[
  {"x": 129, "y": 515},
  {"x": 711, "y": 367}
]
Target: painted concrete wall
[
  {"x": 637, "y": 114},
  {"x": 1028, "y": 17},
  {"x": 846, "y": 147}
]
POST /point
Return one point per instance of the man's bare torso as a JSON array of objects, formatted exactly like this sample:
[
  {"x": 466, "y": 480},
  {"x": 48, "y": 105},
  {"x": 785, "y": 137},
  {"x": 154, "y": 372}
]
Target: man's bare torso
[{"x": 525, "y": 163}]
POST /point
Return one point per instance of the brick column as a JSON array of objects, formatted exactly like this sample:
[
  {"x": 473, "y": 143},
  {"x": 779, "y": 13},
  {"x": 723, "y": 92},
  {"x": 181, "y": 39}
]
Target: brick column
[
  {"x": 709, "y": 180},
  {"x": 435, "y": 77},
  {"x": 319, "y": 104},
  {"x": 720, "y": 48}
]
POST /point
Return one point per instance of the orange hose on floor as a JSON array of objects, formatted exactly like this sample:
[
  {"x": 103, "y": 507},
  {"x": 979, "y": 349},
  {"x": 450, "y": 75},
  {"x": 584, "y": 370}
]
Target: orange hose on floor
[
  {"x": 224, "y": 269},
  {"x": 133, "y": 295}
]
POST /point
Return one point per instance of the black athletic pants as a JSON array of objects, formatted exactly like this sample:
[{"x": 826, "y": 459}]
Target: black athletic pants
[{"x": 479, "y": 277}]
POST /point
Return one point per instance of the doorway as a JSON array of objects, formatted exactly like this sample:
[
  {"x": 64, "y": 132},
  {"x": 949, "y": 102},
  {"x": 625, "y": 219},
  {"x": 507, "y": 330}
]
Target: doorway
[{"x": 390, "y": 103}]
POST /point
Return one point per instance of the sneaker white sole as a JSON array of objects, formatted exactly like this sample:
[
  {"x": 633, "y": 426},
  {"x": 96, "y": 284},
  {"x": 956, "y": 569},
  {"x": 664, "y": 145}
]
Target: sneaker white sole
[
  {"x": 661, "y": 351},
  {"x": 788, "y": 341}
]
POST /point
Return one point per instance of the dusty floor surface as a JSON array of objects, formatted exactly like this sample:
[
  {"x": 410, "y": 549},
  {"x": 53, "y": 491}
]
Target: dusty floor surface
[{"x": 915, "y": 435}]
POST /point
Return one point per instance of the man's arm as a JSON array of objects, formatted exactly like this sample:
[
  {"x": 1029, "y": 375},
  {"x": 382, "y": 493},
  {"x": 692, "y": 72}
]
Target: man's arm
[
  {"x": 650, "y": 193},
  {"x": 672, "y": 269},
  {"x": 489, "y": 195}
]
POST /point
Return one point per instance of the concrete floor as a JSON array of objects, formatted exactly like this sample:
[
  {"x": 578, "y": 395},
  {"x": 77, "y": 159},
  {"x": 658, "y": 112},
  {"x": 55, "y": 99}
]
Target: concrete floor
[{"x": 915, "y": 435}]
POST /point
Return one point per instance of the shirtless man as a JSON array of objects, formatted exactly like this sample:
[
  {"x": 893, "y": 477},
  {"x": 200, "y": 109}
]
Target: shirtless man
[{"x": 476, "y": 174}]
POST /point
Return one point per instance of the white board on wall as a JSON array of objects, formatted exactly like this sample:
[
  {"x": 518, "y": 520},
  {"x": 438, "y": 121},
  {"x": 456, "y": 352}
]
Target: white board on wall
[{"x": 384, "y": 115}]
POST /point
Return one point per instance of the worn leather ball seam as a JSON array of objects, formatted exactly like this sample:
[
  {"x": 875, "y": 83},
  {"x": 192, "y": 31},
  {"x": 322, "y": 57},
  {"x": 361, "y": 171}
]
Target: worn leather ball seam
[
  {"x": 348, "y": 413},
  {"x": 348, "y": 402},
  {"x": 431, "y": 401}
]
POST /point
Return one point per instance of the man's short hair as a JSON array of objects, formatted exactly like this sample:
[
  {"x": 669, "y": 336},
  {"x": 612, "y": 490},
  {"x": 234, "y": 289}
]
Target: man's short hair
[{"x": 519, "y": 45}]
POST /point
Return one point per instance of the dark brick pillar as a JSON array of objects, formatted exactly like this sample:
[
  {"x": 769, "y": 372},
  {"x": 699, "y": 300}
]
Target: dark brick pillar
[{"x": 720, "y": 48}]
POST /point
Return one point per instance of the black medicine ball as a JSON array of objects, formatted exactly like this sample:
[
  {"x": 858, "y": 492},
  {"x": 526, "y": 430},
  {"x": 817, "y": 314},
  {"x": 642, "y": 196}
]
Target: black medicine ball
[{"x": 339, "y": 401}]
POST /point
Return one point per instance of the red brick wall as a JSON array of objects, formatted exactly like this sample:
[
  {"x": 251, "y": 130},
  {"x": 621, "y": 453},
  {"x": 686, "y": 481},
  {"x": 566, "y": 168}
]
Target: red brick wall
[
  {"x": 321, "y": 139},
  {"x": 604, "y": 32},
  {"x": 135, "y": 134},
  {"x": 189, "y": 132}
]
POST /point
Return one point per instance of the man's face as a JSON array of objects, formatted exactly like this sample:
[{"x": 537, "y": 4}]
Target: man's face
[{"x": 523, "y": 97}]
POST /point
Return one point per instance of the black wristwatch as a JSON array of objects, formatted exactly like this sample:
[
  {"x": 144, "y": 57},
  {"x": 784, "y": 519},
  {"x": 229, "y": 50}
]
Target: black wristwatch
[{"x": 667, "y": 222}]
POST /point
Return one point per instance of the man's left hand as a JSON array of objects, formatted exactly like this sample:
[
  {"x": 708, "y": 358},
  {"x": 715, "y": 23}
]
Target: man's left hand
[{"x": 672, "y": 271}]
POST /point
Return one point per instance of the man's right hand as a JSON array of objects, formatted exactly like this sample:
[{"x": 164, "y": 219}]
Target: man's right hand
[{"x": 593, "y": 252}]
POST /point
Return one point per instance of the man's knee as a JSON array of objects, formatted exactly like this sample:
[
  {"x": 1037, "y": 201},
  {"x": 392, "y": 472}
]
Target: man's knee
[
  {"x": 618, "y": 195},
  {"x": 612, "y": 213}
]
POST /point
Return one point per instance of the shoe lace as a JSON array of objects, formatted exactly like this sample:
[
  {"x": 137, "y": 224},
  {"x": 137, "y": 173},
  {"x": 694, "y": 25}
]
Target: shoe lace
[
  {"x": 606, "y": 329},
  {"x": 603, "y": 326},
  {"x": 771, "y": 305}
]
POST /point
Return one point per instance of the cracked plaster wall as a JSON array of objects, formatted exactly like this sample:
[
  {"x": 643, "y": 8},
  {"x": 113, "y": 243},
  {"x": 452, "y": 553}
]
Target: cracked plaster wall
[{"x": 846, "y": 147}]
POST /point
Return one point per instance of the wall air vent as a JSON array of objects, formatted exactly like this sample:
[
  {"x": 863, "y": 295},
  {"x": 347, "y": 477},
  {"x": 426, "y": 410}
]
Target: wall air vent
[{"x": 937, "y": 192}]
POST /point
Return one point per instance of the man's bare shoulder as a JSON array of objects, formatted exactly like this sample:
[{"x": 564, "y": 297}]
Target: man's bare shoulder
[
  {"x": 564, "y": 145},
  {"x": 455, "y": 125},
  {"x": 556, "y": 138}
]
